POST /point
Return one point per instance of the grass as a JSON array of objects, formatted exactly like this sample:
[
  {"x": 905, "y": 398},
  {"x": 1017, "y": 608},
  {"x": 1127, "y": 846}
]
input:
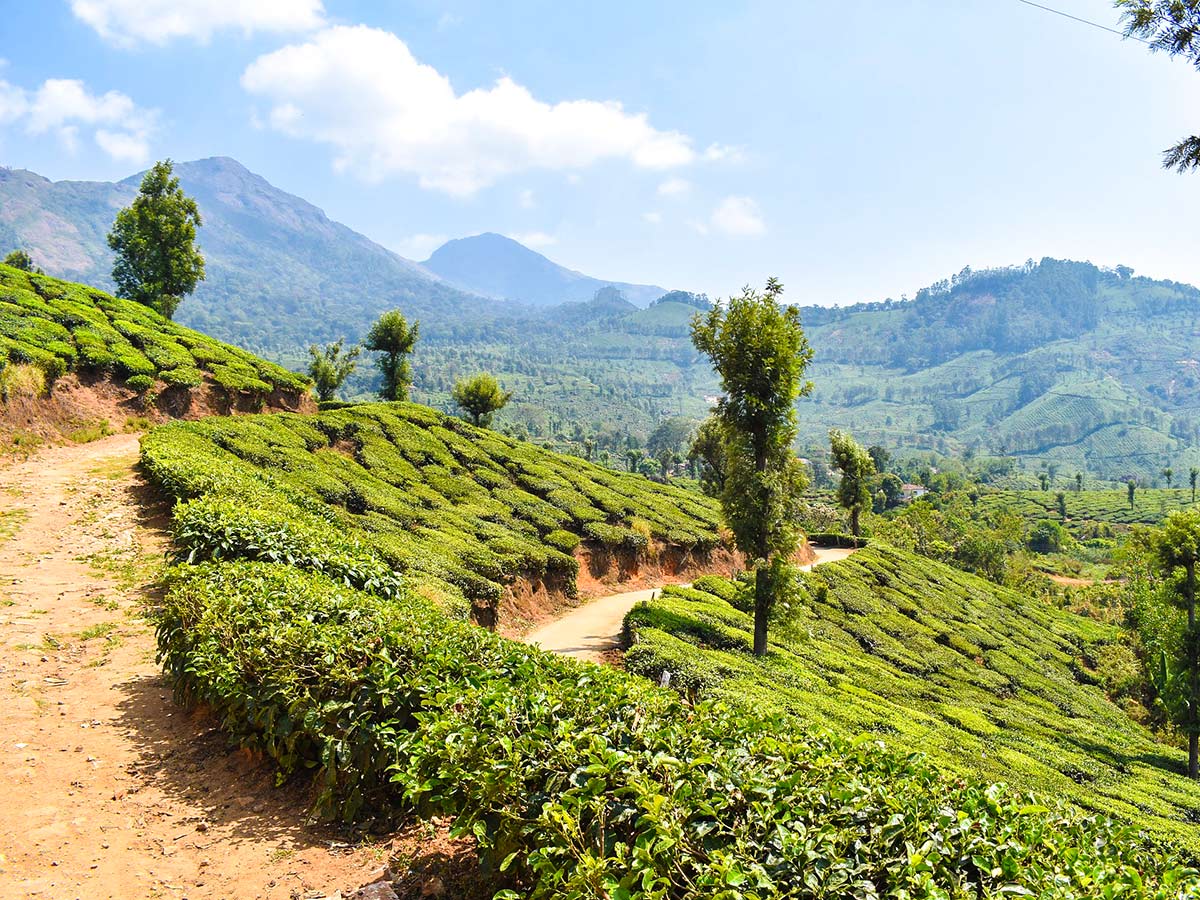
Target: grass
[
  {"x": 893, "y": 646},
  {"x": 11, "y": 521}
]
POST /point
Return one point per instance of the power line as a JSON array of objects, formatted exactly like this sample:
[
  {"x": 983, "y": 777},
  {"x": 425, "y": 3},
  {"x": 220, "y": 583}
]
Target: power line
[{"x": 1066, "y": 15}]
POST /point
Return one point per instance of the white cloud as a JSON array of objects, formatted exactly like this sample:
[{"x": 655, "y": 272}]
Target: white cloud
[
  {"x": 738, "y": 217},
  {"x": 64, "y": 107},
  {"x": 419, "y": 246},
  {"x": 698, "y": 226},
  {"x": 534, "y": 239},
  {"x": 361, "y": 91},
  {"x": 724, "y": 153},
  {"x": 674, "y": 187},
  {"x": 128, "y": 22},
  {"x": 526, "y": 199},
  {"x": 653, "y": 218}
]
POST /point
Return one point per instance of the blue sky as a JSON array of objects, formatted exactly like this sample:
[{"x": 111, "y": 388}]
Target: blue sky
[{"x": 856, "y": 153}]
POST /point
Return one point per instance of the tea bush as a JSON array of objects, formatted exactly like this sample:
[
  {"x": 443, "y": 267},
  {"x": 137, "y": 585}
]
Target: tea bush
[
  {"x": 582, "y": 781},
  {"x": 60, "y": 326},
  {"x": 983, "y": 679},
  {"x": 462, "y": 511}
]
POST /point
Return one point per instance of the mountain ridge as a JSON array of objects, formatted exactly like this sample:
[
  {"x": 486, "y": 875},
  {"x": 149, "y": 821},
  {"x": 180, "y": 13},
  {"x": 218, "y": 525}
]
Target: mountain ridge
[{"x": 499, "y": 266}]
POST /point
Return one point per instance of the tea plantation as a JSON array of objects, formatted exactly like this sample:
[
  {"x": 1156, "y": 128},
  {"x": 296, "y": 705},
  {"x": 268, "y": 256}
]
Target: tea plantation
[
  {"x": 284, "y": 616},
  {"x": 461, "y": 511},
  {"x": 61, "y": 327},
  {"x": 982, "y": 679},
  {"x": 1086, "y": 508}
]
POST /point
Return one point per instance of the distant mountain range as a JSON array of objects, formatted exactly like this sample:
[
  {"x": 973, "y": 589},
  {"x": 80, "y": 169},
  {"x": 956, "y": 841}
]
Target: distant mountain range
[
  {"x": 1064, "y": 363},
  {"x": 497, "y": 266},
  {"x": 282, "y": 274}
]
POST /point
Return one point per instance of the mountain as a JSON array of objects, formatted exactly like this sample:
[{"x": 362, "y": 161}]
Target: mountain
[
  {"x": 1055, "y": 363},
  {"x": 281, "y": 274},
  {"x": 500, "y": 267}
]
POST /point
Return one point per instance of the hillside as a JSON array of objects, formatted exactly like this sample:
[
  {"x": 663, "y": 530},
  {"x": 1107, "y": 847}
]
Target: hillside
[
  {"x": 281, "y": 274},
  {"x": 282, "y": 617},
  {"x": 894, "y": 646},
  {"x": 473, "y": 517},
  {"x": 72, "y": 356},
  {"x": 497, "y": 266},
  {"x": 1058, "y": 363}
]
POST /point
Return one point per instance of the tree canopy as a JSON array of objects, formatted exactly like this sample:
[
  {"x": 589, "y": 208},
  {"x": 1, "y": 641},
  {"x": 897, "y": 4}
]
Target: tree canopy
[
  {"x": 330, "y": 366},
  {"x": 19, "y": 259},
  {"x": 154, "y": 238},
  {"x": 393, "y": 338},
  {"x": 857, "y": 469},
  {"x": 1172, "y": 27},
  {"x": 481, "y": 397}
]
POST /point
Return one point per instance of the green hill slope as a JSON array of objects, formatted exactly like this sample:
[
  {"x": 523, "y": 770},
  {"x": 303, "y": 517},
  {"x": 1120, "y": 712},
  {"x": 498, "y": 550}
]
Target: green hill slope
[
  {"x": 60, "y": 327},
  {"x": 461, "y": 510},
  {"x": 894, "y": 646},
  {"x": 284, "y": 617}
]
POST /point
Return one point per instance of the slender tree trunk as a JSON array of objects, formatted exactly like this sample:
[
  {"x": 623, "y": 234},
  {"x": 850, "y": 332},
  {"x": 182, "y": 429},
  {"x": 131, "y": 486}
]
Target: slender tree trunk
[
  {"x": 762, "y": 608},
  {"x": 1194, "y": 673},
  {"x": 854, "y": 526}
]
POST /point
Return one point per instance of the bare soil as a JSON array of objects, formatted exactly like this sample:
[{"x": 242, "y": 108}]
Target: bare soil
[{"x": 110, "y": 789}]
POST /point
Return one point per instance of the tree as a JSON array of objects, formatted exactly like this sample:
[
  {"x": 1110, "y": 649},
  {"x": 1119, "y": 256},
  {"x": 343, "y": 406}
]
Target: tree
[
  {"x": 1131, "y": 488},
  {"x": 481, "y": 397},
  {"x": 394, "y": 338},
  {"x": 330, "y": 367},
  {"x": 880, "y": 457},
  {"x": 1078, "y": 482},
  {"x": 1193, "y": 475},
  {"x": 154, "y": 239},
  {"x": 1173, "y": 27},
  {"x": 760, "y": 352},
  {"x": 1060, "y": 500},
  {"x": 892, "y": 488},
  {"x": 1044, "y": 481},
  {"x": 1177, "y": 546},
  {"x": 1168, "y": 473},
  {"x": 19, "y": 259},
  {"x": 707, "y": 453},
  {"x": 857, "y": 469}
]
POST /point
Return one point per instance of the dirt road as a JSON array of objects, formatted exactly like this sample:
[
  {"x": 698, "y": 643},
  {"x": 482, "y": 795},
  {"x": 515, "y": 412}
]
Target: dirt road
[
  {"x": 593, "y": 630},
  {"x": 110, "y": 789}
]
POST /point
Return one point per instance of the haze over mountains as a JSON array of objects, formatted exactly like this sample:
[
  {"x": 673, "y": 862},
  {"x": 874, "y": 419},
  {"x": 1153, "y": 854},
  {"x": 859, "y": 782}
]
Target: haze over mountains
[
  {"x": 1059, "y": 362},
  {"x": 498, "y": 266}
]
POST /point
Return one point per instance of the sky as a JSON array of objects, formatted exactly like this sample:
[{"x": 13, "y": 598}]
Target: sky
[{"x": 855, "y": 151}]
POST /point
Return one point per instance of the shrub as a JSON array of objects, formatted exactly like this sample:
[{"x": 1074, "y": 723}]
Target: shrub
[{"x": 140, "y": 383}]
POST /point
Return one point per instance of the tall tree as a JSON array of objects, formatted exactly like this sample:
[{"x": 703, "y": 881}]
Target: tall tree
[
  {"x": 1193, "y": 475},
  {"x": 154, "y": 239},
  {"x": 1172, "y": 27},
  {"x": 1078, "y": 482},
  {"x": 857, "y": 469},
  {"x": 1131, "y": 489},
  {"x": 1168, "y": 473},
  {"x": 393, "y": 338},
  {"x": 1177, "y": 546},
  {"x": 481, "y": 397},
  {"x": 760, "y": 352},
  {"x": 330, "y": 366},
  {"x": 707, "y": 454},
  {"x": 1060, "y": 500}
]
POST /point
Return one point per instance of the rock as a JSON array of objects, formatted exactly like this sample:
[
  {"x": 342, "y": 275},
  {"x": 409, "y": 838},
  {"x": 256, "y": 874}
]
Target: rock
[{"x": 376, "y": 890}]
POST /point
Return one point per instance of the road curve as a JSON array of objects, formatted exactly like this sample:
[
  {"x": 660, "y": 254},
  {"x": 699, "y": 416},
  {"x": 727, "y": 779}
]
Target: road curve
[{"x": 590, "y": 631}]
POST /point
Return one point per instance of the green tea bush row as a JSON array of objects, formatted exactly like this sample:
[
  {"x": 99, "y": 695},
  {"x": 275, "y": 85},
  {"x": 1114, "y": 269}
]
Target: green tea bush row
[
  {"x": 461, "y": 510},
  {"x": 582, "y": 781},
  {"x": 60, "y": 327},
  {"x": 987, "y": 681}
]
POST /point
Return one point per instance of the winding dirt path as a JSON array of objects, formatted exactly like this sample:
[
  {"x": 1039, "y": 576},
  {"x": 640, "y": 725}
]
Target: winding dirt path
[
  {"x": 109, "y": 789},
  {"x": 593, "y": 631}
]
